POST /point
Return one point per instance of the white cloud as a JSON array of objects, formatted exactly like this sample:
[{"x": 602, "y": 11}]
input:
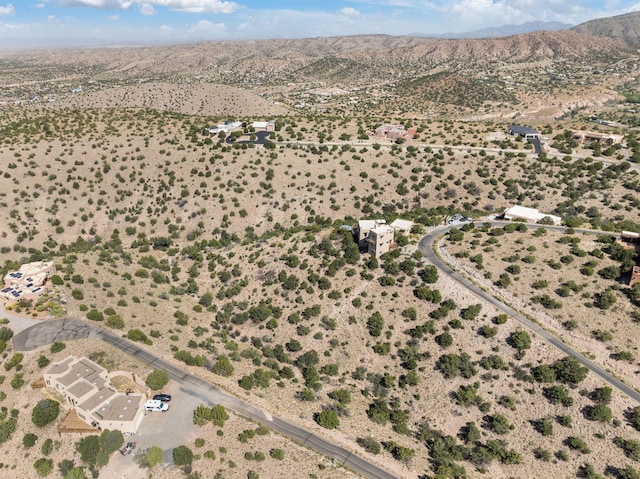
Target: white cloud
[
  {"x": 41, "y": 5},
  {"x": 147, "y": 9},
  {"x": 104, "y": 4},
  {"x": 198, "y": 6},
  {"x": 7, "y": 10},
  {"x": 205, "y": 26},
  {"x": 349, "y": 11},
  {"x": 113, "y": 18}
]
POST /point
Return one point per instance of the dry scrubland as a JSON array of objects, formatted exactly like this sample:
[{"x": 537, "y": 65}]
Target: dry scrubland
[{"x": 228, "y": 258}]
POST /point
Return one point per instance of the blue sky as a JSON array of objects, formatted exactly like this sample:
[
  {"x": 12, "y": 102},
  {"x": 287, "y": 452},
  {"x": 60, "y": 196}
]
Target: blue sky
[{"x": 29, "y": 23}]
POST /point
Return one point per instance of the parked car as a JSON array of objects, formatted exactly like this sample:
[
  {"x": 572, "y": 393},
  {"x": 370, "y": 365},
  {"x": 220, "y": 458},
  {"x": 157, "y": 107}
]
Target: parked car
[
  {"x": 128, "y": 449},
  {"x": 155, "y": 405},
  {"x": 162, "y": 397}
]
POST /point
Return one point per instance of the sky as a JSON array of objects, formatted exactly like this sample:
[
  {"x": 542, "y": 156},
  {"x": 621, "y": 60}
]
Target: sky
[{"x": 86, "y": 23}]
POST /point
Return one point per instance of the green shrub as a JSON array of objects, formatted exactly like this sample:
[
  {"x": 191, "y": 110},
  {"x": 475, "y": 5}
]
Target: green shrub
[
  {"x": 327, "y": 419},
  {"x": 369, "y": 444},
  {"x": 45, "y": 412},
  {"x": 43, "y": 361},
  {"x": 154, "y": 456},
  {"x": 29, "y": 440},
  {"x": 138, "y": 336},
  {"x": 43, "y": 466},
  {"x": 156, "y": 380},
  {"x": 277, "y": 454},
  {"x": 57, "y": 347},
  {"x": 182, "y": 456}
]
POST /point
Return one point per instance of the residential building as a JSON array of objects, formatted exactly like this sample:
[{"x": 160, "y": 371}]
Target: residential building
[
  {"x": 364, "y": 226},
  {"x": 401, "y": 226},
  {"x": 85, "y": 386},
  {"x": 525, "y": 132},
  {"x": 380, "y": 240},
  {"x": 377, "y": 237},
  {"x": 28, "y": 282},
  {"x": 529, "y": 215},
  {"x": 630, "y": 240},
  {"x": 392, "y": 132}
]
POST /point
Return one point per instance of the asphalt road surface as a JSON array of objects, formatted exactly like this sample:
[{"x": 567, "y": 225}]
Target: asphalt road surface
[
  {"x": 66, "y": 329},
  {"x": 426, "y": 247}
]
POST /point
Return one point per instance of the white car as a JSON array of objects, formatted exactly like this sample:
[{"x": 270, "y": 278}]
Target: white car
[{"x": 155, "y": 405}]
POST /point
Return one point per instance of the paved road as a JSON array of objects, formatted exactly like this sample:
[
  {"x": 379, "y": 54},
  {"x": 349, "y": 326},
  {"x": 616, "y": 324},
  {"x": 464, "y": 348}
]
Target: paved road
[
  {"x": 426, "y": 247},
  {"x": 67, "y": 329},
  {"x": 17, "y": 323}
]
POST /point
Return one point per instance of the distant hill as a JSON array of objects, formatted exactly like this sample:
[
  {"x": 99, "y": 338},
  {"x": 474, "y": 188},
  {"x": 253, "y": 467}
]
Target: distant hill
[
  {"x": 505, "y": 30},
  {"x": 621, "y": 27}
]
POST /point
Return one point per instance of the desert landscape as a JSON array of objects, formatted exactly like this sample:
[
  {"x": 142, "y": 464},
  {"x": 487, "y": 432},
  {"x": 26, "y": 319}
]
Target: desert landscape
[{"x": 202, "y": 204}]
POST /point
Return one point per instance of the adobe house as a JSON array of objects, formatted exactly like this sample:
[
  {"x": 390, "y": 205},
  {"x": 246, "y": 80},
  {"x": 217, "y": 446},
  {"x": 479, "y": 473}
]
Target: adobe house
[
  {"x": 85, "y": 386},
  {"x": 392, "y": 132},
  {"x": 378, "y": 238},
  {"x": 28, "y": 282}
]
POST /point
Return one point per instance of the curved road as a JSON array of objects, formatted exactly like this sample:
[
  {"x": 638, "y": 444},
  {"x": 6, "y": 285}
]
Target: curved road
[
  {"x": 66, "y": 329},
  {"x": 426, "y": 246}
]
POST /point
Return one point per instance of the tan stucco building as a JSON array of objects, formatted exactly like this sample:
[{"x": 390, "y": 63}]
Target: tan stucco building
[
  {"x": 86, "y": 388},
  {"x": 28, "y": 282}
]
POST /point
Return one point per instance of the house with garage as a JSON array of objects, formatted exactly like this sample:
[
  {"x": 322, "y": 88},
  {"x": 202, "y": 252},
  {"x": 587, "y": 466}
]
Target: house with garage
[
  {"x": 85, "y": 386},
  {"x": 529, "y": 215},
  {"x": 525, "y": 132}
]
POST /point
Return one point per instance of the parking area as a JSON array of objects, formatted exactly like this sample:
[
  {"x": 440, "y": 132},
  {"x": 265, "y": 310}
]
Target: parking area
[{"x": 161, "y": 428}]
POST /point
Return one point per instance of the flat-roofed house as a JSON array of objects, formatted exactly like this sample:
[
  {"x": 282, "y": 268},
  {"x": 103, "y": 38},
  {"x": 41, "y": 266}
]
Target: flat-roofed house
[
  {"x": 380, "y": 240},
  {"x": 401, "y": 226},
  {"x": 85, "y": 386},
  {"x": 525, "y": 132},
  {"x": 28, "y": 282},
  {"x": 529, "y": 215},
  {"x": 364, "y": 226}
]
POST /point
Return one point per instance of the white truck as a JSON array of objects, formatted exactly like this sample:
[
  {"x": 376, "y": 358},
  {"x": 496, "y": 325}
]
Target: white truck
[{"x": 155, "y": 405}]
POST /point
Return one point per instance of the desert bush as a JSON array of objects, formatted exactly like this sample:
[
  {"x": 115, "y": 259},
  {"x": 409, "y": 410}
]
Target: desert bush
[
  {"x": 327, "y": 419},
  {"x": 29, "y": 440},
  {"x": 369, "y": 444},
  {"x": 153, "y": 457},
  {"x": 43, "y": 466},
  {"x": 599, "y": 412},
  {"x": 631, "y": 447},
  {"x": 544, "y": 426},
  {"x": 182, "y": 456},
  {"x": 57, "y": 347},
  {"x": 577, "y": 444},
  {"x": 45, "y": 412},
  {"x": 156, "y": 380}
]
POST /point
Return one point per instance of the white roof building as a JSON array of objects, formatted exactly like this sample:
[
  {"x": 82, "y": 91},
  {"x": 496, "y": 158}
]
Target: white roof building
[
  {"x": 530, "y": 215},
  {"x": 402, "y": 226}
]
